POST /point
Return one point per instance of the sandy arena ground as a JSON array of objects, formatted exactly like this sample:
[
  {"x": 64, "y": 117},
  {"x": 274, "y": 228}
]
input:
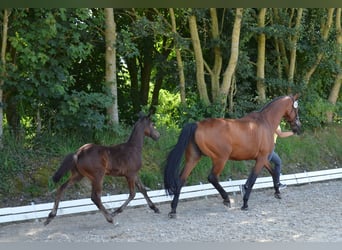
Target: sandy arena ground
[{"x": 306, "y": 213}]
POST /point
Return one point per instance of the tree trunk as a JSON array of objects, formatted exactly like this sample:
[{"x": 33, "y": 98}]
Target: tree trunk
[
  {"x": 146, "y": 68},
  {"x": 294, "y": 41},
  {"x": 202, "y": 88},
  {"x": 134, "y": 89},
  {"x": 281, "y": 44},
  {"x": 325, "y": 34},
  {"x": 110, "y": 36},
  {"x": 261, "y": 57},
  {"x": 163, "y": 55},
  {"x": 216, "y": 71},
  {"x": 234, "y": 54},
  {"x": 279, "y": 64},
  {"x": 3, "y": 70},
  {"x": 179, "y": 58},
  {"x": 334, "y": 93}
]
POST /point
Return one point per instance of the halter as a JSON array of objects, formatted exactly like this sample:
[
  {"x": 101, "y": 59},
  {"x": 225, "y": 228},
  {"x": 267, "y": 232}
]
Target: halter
[{"x": 295, "y": 108}]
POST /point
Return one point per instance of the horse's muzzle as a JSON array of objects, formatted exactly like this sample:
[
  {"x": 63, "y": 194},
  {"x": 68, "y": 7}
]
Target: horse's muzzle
[
  {"x": 296, "y": 127},
  {"x": 155, "y": 136}
]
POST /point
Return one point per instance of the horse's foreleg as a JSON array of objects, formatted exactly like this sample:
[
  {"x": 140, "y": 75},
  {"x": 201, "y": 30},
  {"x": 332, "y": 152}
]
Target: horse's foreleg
[
  {"x": 131, "y": 196},
  {"x": 75, "y": 177},
  {"x": 96, "y": 198},
  {"x": 142, "y": 189},
  {"x": 214, "y": 180}
]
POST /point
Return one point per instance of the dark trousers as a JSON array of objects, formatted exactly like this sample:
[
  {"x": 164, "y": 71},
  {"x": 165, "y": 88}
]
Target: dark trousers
[{"x": 274, "y": 157}]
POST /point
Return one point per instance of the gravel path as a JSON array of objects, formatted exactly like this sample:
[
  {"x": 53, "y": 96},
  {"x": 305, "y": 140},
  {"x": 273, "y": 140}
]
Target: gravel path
[{"x": 307, "y": 213}]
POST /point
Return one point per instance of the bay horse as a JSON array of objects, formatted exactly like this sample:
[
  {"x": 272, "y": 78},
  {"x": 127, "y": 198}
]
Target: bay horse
[
  {"x": 95, "y": 161},
  {"x": 247, "y": 138}
]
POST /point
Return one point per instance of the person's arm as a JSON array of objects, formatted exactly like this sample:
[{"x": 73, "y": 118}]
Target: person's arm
[{"x": 283, "y": 134}]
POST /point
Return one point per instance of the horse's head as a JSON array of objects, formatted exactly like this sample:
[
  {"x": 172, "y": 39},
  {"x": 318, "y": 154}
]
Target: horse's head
[
  {"x": 149, "y": 129},
  {"x": 292, "y": 116}
]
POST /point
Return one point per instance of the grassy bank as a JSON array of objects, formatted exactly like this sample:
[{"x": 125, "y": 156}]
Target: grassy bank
[{"x": 26, "y": 167}]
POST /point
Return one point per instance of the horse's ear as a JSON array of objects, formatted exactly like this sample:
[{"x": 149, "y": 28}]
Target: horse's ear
[
  {"x": 150, "y": 113},
  {"x": 141, "y": 114},
  {"x": 296, "y": 96}
]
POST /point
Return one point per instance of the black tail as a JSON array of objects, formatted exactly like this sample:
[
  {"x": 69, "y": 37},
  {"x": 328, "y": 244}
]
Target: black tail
[
  {"x": 172, "y": 180},
  {"x": 67, "y": 164}
]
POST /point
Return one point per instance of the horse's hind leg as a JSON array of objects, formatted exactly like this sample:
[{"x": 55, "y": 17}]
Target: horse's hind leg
[
  {"x": 142, "y": 189},
  {"x": 75, "y": 177},
  {"x": 131, "y": 183},
  {"x": 96, "y": 198},
  {"x": 213, "y": 179},
  {"x": 192, "y": 156}
]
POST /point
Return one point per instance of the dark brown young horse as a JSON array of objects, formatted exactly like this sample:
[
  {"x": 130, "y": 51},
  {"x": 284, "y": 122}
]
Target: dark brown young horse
[
  {"x": 247, "y": 138},
  {"x": 96, "y": 161}
]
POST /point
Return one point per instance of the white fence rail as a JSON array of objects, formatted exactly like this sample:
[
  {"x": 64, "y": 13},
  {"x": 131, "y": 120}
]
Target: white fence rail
[{"x": 36, "y": 211}]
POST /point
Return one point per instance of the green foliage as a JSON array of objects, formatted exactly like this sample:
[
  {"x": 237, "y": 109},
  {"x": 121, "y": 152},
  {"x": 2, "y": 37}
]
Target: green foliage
[
  {"x": 85, "y": 110},
  {"x": 166, "y": 113},
  {"x": 313, "y": 110},
  {"x": 196, "y": 110}
]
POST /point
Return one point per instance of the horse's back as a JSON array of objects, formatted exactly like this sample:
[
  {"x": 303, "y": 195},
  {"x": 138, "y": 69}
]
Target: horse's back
[
  {"x": 236, "y": 139},
  {"x": 114, "y": 160}
]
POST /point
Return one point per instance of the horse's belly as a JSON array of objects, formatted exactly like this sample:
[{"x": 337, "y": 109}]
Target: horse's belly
[{"x": 239, "y": 155}]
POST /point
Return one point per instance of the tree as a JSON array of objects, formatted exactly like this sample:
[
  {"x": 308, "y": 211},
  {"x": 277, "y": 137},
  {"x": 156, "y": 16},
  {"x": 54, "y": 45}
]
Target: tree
[
  {"x": 234, "y": 54},
  {"x": 179, "y": 57},
  {"x": 220, "y": 86},
  {"x": 293, "y": 49},
  {"x": 335, "y": 90},
  {"x": 325, "y": 29},
  {"x": 3, "y": 69},
  {"x": 139, "y": 33},
  {"x": 45, "y": 48},
  {"x": 196, "y": 43},
  {"x": 215, "y": 72},
  {"x": 261, "y": 57},
  {"x": 110, "y": 34},
  {"x": 282, "y": 60}
]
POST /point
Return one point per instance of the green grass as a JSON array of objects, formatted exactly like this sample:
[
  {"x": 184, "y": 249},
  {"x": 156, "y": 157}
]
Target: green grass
[{"x": 26, "y": 167}]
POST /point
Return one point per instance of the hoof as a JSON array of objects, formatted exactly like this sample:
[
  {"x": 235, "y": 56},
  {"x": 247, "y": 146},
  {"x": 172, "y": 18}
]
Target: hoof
[
  {"x": 109, "y": 219},
  {"x": 156, "y": 210},
  {"x": 47, "y": 222},
  {"x": 49, "y": 218},
  {"x": 227, "y": 203},
  {"x": 116, "y": 212},
  {"x": 172, "y": 215},
  {"x": 244, "y": 208},
  {"x": 277, "y": 196}
]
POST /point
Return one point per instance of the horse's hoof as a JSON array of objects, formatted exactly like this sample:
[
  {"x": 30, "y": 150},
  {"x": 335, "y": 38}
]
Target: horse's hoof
[
  {"x": 277, "y": 196},
  {"x": 244, "y": 208},
  {"x": 49, "y": 218},
  {"x": 47, "y": 222},
  {"x": 156, "y": 210},
  {"x": 227, "y": 203},
  {"x": 116, "y": 212},
  {"x": 172, "y": 215},
  {"x": 109, "y": 219}
]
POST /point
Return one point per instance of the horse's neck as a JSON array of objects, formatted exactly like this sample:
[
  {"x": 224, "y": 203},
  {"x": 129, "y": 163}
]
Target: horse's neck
[
  {"x": 273, "y": 118},
  {"x": 137, "y": 136}
]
